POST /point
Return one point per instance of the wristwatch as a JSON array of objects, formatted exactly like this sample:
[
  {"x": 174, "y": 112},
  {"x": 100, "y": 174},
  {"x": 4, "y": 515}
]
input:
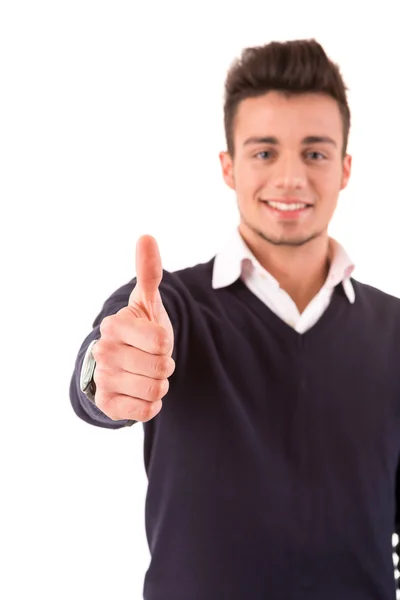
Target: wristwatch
[{"x": 87, "y": 384}]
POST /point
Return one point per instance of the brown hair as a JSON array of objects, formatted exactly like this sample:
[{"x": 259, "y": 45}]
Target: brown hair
[{"x": 292, "y": 67}]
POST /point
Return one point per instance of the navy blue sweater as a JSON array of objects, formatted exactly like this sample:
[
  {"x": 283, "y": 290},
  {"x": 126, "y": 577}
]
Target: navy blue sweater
[{"x": 272, "y": 466}]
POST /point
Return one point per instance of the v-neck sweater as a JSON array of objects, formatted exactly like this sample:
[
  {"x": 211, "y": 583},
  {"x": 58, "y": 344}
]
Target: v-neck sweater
[{"x": 272, "y": 466}]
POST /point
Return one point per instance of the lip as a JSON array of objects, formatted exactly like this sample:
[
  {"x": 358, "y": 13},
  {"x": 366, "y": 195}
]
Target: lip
[
  {"x": 288, "y": 200},
  {"x": 289, "y": 215}
]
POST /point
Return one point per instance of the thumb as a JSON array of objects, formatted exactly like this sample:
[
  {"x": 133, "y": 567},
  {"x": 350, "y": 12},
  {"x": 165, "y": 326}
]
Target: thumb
[
  {"x": 145, "y": 298},
  {"x": 149, "y": 269}
]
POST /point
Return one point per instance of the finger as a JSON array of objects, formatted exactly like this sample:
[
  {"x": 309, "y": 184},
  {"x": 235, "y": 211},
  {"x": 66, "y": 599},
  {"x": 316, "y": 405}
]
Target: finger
[
  {"x": 126, "y": 358},
  {"x": 130, "y": 384},
  {"x": 126, "y": 407},
  {"x": 139, "y": 333},
  {"x": 149, "y": 271}
]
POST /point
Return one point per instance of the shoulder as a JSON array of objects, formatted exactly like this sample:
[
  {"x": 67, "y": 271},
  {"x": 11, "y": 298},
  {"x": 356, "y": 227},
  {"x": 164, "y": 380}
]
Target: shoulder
[
  {"x": 375, "y": 299},
  {"x": 374, "y": 293},
  {"x": 185, "y": 289},
  {"x": 192, "y": 278}
]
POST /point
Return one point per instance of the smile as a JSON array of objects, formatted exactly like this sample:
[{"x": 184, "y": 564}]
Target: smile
[
  {"x": 293, "y": 210},
  {"x": 285, "y": 206}
]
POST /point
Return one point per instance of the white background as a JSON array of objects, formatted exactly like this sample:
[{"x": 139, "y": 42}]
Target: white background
[{"x": 110, "y": 127}]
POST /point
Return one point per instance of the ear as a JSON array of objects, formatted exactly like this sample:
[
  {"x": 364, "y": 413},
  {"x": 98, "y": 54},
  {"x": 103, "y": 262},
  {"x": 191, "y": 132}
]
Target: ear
[
  {"x": 346, "y": 171},
  {"x": 227, "y": 169}
]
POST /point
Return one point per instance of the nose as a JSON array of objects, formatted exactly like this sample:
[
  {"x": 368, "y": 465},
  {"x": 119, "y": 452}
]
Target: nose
[{"x": 290, "y": 172}]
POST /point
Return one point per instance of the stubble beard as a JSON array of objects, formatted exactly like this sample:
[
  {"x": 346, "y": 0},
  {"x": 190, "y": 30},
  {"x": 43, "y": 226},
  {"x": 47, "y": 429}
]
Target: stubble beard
[{"x": 284, "y": 239}]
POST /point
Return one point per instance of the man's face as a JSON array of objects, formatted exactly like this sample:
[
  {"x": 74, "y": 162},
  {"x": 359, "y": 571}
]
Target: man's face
[{"x": 288, "y": 166}]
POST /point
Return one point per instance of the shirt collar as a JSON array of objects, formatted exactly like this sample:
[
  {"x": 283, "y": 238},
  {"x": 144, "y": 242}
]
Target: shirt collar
[{"x": 236, "y": 256}]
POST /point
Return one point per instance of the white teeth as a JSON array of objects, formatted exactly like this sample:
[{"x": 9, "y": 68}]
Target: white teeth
[{"x": 282, "y": 206}]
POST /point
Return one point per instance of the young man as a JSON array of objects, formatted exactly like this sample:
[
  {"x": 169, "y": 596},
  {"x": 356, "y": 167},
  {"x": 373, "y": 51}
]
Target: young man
[{"x": 267, "y": 379}]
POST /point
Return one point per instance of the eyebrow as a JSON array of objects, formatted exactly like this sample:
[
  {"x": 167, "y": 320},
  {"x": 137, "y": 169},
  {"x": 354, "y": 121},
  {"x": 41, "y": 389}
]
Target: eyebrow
[{"x": 311, "y": 139}]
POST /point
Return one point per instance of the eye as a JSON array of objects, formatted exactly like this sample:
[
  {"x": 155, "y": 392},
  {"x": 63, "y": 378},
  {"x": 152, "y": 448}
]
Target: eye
[
  {"x": 314, "y": 152},
  {"x": 258, "y": 155},
  {"x": 314, "y": 155}
]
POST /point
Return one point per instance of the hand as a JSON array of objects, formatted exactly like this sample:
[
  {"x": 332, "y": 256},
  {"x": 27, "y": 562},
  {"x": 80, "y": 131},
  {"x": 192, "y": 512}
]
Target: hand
[{"x": 134, "y": 354}]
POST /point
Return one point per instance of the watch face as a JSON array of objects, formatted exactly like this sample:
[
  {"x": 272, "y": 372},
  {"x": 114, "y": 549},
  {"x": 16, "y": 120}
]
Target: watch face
[{"x": 88, "y": 367}]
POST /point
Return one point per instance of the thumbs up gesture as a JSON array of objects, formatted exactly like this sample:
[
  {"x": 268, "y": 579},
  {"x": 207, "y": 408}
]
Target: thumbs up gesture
[{"x": 134, "y": 354}]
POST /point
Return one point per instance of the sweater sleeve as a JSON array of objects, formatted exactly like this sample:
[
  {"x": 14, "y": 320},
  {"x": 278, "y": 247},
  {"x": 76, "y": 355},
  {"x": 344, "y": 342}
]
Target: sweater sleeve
[{"x": 83, "y": 407}]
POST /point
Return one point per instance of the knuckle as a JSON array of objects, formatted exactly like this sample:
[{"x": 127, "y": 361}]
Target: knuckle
[
  {"x": 98, "y": 351},
  {"x": 158, "y": 389},
  {"x": 104, "y": 352},
  {"x": 107, "y": 326},
  {"x": 163, "y": 367},
  {"x": 152, "y": 391},
  {"x": 145, "y": 414},
  {"x": 161, "y": 342},
  {"x": 123, "y": 312},
  {"x": 148, "y": 411}
]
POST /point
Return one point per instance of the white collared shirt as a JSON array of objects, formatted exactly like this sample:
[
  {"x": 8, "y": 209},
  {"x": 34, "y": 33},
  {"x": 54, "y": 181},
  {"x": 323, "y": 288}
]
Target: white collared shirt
[{"x": 236, "y": 260}]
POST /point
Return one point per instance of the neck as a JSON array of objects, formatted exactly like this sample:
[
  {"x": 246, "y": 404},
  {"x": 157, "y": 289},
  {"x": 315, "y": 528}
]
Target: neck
[{"x": 300, "y": 270}]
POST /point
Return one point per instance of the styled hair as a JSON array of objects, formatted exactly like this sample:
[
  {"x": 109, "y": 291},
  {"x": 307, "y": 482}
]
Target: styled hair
[{"x": 292, "y": 68}]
